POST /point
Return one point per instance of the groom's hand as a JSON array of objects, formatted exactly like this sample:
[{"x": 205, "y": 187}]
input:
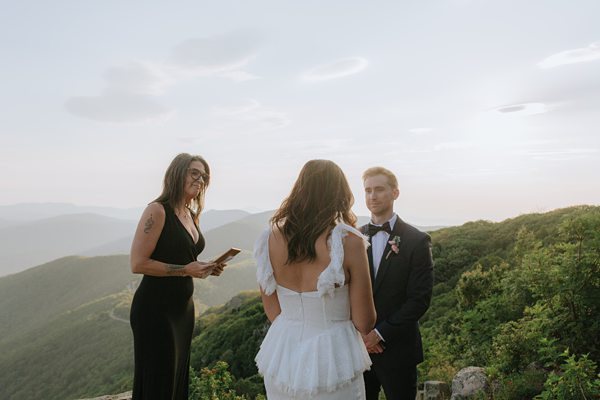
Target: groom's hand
[
  {"x": 372, "y": 342},
  {"x": 377, "y": 349}
]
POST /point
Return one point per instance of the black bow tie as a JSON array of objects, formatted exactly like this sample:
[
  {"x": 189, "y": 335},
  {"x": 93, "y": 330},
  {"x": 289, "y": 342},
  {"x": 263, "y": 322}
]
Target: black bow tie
[{"x": 373, "y": 229}]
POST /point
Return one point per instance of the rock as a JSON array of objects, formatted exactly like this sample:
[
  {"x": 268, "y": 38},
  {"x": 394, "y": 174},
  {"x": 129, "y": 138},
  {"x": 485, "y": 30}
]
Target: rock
[
  {"x": 120, "y": 396},
  {"x": 469, "y": 383},
  {"x": 436, "y": 390}
]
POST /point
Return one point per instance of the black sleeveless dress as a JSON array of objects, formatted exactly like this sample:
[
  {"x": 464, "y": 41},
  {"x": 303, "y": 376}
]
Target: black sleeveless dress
[{"x": 162, "y": 318}]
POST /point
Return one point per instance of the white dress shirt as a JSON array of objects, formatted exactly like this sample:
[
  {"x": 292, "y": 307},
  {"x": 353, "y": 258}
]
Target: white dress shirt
[{"x": 378, "y": 243}]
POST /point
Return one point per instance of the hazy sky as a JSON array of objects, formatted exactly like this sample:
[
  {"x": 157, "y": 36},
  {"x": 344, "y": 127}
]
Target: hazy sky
[{"x": 484, "y": 109}]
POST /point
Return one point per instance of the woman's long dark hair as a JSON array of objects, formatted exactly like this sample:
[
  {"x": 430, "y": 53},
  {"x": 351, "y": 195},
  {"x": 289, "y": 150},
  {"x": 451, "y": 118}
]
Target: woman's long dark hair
[
  {"x": 320, "y": 198},
  {"x": 174, "y": 184}
]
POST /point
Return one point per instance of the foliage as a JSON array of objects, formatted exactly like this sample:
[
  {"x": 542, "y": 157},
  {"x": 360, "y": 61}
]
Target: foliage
[
  {"x": 513, "y": 296},
  {"x": 521, "y": 385},
  {"x": 233, "y": 333},
  {"x": 213, "y": 384},
  {"x": 65, "y": 325},
  {"x": 577, "y": 379}
]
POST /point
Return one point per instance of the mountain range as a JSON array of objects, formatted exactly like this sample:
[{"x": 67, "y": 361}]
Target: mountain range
[
  {"x": 26, "y": 243},
  {"x": 65, "y": 321}
]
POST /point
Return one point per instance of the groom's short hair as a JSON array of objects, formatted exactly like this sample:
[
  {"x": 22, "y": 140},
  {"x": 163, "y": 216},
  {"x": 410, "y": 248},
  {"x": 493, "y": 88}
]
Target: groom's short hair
[{"x": 391, "y": 178}]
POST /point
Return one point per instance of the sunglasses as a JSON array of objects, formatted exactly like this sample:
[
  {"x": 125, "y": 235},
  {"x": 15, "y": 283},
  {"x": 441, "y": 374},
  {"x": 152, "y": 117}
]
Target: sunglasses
[{"x": 197, "y": 175}]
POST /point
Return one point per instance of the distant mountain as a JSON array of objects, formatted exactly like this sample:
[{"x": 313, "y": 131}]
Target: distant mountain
[
  {"x": 17, "y": 213},
  {"x": 210, "y": 220},
  {"x": 241, "y": 233},
  {"x": 65, "y": 324},
  {"x": 7, "y": 222},
  {"x": 25, "y": 244},
  {"x": 34, "y": 211},
  {"x": 32, "y": 243},
  {"x": 118, "y": 246},
  {"x": 214, "y": 218}
]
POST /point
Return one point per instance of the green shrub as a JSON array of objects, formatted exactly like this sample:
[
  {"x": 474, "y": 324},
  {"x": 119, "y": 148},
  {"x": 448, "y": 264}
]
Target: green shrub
[
  {"x": 213, "y": 384},
  {"x": 576, "y": 379}
]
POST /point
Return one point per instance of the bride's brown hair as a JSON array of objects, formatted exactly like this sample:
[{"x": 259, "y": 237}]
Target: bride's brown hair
[{"x": 320, "y": 198}]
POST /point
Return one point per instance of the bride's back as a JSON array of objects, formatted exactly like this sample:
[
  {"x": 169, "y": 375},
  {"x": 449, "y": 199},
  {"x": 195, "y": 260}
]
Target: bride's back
[{"x": 299, "y": 276}]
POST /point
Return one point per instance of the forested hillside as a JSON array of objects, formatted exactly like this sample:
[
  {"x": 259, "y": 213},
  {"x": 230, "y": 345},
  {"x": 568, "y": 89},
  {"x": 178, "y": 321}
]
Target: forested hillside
[
  {"x": 520, "y": 297},
  {"x": 65, "y": 330}
]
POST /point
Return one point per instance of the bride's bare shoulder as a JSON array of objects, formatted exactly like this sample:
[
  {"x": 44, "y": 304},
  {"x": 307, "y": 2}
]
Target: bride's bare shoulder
[{"x": 276, "y": 235}]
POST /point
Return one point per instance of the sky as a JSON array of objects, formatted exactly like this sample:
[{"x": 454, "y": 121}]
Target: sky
[{"x": 483, "y": 109}]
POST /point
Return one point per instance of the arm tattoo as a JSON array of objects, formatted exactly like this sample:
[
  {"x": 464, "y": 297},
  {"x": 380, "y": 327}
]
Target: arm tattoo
[
  {"x": 149, "y": 223},
  {"x": 173, "y": 269}
]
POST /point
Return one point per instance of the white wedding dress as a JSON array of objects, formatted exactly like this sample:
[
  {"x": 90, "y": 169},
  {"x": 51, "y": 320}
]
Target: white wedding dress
[{"x": 312, "y": 350}]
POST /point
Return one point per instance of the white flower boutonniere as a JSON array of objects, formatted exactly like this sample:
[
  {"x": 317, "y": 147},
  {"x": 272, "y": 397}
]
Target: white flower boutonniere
[{"x": 395, "y": 244}]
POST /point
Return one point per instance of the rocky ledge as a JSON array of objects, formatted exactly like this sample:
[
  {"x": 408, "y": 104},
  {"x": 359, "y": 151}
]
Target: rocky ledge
[{"x": 120, "y": 396}]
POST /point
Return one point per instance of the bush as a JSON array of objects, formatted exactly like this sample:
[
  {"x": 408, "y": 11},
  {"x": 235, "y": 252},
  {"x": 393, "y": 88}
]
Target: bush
[
  {"x": 520, "y": 385},
  {"x": 213, "y": 384},
  {"x": 577, "y": 379}
]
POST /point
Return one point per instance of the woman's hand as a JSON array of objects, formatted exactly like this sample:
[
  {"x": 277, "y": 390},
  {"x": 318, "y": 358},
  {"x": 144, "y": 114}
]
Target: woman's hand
[
  {"x": 200, "y": 269},
  {"x": 218, "y": 269}
]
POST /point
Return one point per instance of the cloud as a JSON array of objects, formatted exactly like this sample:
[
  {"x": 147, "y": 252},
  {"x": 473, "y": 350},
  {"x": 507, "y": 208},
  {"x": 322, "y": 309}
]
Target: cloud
[
  {"x": 336, "y": 69},
  {"x": 452, "y": 146},
  {"x": 248, "y": 118},
  {"x": 254, "y": 114},
  {"x": 420, "y": 131},
  {"x": 237, "y": 76},
  {"x": 243, "y": 108},
  {"x": 214, "y": 54},
  {"x": 118, "y": 107},
  {"x": 131, "y": 89},
  {"x": 558, "y": 154},
  {"x": 129, "y": 96},
  {"x": 137, "y": 77},
  {"x": 264, "y": 118},
  {"x": 573, "y": 56},
  {"x": 522, "y": 109}
]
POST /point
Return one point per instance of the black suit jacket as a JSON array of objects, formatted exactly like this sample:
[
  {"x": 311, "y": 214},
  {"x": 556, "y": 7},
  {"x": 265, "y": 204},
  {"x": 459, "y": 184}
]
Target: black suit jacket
[{"x": 402, "y": 294}]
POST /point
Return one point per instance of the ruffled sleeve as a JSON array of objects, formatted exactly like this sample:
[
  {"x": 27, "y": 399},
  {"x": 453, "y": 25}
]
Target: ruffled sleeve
[
  {"x": 333, "y": 275},
  {"x": 264, "y": 270}
]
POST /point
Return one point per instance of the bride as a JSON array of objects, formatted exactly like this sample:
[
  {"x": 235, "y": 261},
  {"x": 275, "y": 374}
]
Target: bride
[{"x": 316, "y": 290}]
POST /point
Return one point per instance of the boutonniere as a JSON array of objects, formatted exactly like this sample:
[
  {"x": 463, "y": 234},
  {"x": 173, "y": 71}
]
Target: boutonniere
[{"x": 395, "y": 244}]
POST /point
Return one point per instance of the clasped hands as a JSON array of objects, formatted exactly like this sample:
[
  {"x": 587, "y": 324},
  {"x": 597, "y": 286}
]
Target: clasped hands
[
  {"x": 373, "y": 342},
  {"x": 202, "y": 269}
]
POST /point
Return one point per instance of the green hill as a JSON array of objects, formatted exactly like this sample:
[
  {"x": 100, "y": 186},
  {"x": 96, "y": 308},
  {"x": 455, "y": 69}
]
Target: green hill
[
  {"x": 510, "y": 296},
  {"x": 520, "y": 297},
  {"x": 65, "y": 324},
  {"x": 80, "y": 353}
]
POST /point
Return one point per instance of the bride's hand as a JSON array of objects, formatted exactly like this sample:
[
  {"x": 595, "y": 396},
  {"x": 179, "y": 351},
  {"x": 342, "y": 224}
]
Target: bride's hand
[{"x": 200, "y": 269}]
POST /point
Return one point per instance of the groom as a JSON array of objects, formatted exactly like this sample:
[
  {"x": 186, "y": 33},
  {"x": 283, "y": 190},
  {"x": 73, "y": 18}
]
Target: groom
[{"x": 402, "y": 278}]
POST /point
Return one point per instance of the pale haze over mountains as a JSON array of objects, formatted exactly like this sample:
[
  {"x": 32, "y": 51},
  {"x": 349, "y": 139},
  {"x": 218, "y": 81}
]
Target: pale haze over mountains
[
  {"x": 95, "y": 231},
  {"x": 28, "y": 242}
]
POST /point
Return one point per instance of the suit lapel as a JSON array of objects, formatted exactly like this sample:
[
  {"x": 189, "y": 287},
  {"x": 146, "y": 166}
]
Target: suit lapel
[
  {"x": 370, "y": 256},
  {"x": 385, "y": 263}
]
